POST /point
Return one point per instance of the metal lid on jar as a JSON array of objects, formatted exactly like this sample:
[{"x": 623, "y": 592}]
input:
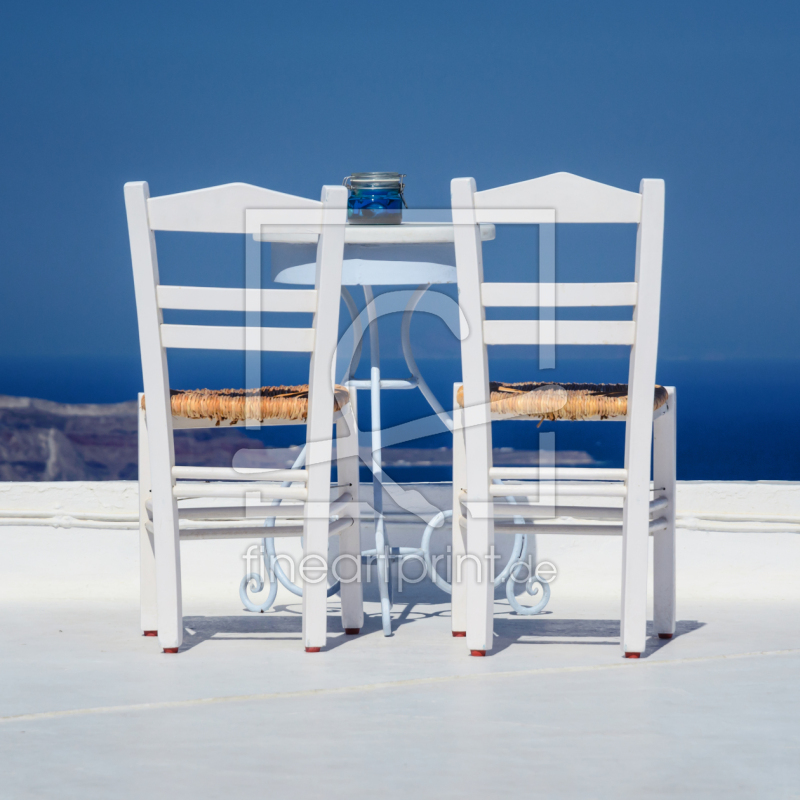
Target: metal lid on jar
[{"x": 375, "y": 180}]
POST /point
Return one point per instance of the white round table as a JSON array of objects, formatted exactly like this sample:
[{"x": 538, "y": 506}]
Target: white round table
[{"x": 410, "y": 254}]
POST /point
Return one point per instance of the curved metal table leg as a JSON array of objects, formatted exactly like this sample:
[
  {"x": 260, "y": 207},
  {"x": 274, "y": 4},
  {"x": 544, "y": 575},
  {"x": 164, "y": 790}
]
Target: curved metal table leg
[
  {"x": 510, "y": 575},
  {"x": 272, "y": 566}
]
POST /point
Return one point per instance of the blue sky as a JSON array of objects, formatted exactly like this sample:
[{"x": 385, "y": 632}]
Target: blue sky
[{"x": 294, "y": 95}]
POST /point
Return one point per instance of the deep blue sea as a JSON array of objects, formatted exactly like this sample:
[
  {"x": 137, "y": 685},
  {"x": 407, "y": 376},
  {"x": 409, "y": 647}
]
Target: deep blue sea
[{"x": 737, "y": 420}]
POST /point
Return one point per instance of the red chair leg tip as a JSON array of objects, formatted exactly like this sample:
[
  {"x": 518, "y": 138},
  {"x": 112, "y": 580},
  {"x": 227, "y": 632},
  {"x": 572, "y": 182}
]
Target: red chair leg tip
[
  {"x": 170, "y": 649},
  {"x": 352, "y": 631},
  {"x": 459, "y": 634},
  {"x": 632, "y": 655},
  {"x": 151, "y": 633},
  {"x": 665, "y": 635},
  {"x": 313, "y": 649},
  {"x": 477, "y": 652}
]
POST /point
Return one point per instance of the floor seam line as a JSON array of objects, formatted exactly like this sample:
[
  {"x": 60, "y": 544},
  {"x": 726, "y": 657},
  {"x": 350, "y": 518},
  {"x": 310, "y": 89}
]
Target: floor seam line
[{"x": 368, "y": 687}]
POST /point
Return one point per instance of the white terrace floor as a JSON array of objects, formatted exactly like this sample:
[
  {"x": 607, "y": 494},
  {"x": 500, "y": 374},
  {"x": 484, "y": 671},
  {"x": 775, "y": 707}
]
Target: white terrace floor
[{"x": 91, "y": 709}]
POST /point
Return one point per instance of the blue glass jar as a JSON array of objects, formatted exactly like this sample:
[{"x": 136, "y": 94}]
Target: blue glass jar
[{"x": 375, "y": 198}]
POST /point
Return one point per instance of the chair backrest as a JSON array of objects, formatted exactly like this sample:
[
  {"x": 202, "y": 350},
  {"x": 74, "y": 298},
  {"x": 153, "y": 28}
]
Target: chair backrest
[
  {"x": 243, "y": 209},
  {"x": 558, "y": 198}
]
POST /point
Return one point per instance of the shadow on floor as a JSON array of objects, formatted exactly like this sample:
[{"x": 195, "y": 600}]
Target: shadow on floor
[
  {"x": 604, "y": 632},
  {"x": 285, "y": 623}
]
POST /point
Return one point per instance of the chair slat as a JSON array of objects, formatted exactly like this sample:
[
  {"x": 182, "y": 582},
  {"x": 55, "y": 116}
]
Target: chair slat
[
  {"x": 268, "y": 491},
  {"x": 566, "y": 332},
  {"x": 223, "y": 209},
  {"x": 570, "y": 530},
  {"x": 201, "y": 298},
  {"x": 229, "y": 474},
  {"x": 257, "y": 531},
  {"x": 588, "y": 489},
  {"x": 572, "y": 198},
  {"x": 558, "y": 473},
  {"x": 559, "y": 295},
  {"x": 220, "y": 337}
]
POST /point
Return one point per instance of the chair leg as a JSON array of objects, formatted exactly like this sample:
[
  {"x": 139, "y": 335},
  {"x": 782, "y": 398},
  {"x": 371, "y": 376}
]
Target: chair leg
[
  {"x": 349, "y": 566},
  {"x": 314, "y": 566},
  {"x": 477, "y": 566},
  {"x": 166, "y": 535},
  {"x": 168, "y": 565},
  {"x": 635, "y": 550},
  {"x": 476, "y": 572},
  {"x": 664, "y": 463},
  {"x": 458, "y": 598},
  {"x": 635, "y": 547},
  {"x": 147, "y": 559}
]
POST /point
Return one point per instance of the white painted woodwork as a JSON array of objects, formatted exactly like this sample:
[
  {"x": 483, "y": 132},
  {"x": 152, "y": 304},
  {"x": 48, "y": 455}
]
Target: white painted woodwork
[
  {"x": 347, "y": 466},
  {"x": 569, "y": 529},
  {"x": 505, "y": 527},
  {"x": 570, "y": 199},
  {"x": 148, "y": 601},
  {"x": 335, "y": 528},
  {"x": 536, "y": 511},
  {"x": 585, "y": 489},
  {"x": 561, "y": 526},
  {"x": 574, "y": 199},
  {"x": 342, "y": 506},
  {"x": 557, "y": 473},
  {"x": 529, "y": 511},
  {"x": 206, "y": 298},
  {"x": 639, "y": 427},
  {"x": 664, "y": 461},
  {"x": 231, "y": 474},
  {"x": 523, "y": 331},
  {"x": 166, "y": 539},
  {"x": 291, "y": 510},
  {"x": 479, "y": 587},
  {"x": 330, "y": 252},
  {"x": 560, "y": 295},
  {"x": 659, "y": 504},
  {"x": 458, "y": 596},
  {"x": 253, "y": 532},
  {"x": 237, "y": 208},
  {"x": 223, "y": 209},
  {"x": 258, "y": 521},
  {"x": 235, "y": 337},
  {"x": 268, "y": 491}
]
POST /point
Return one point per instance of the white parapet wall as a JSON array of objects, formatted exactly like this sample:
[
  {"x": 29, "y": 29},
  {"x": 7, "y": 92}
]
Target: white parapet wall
[
  {"x": 735, "y": 506},
  {"x": 110, "y": 505}
]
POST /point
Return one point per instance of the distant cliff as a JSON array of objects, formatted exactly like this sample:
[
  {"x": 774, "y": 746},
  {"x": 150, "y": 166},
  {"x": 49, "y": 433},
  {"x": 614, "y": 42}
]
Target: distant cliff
[{"x": 45, "y": 441}]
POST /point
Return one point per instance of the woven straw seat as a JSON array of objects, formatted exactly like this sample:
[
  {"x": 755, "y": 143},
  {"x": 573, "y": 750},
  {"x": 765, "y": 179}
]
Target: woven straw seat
[
  {"x": 573, "y": 401},
  {"x": 237, "y": 405}
]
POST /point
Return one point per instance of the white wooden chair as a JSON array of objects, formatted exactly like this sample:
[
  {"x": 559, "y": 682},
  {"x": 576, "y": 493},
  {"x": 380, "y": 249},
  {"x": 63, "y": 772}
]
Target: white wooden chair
[
  {"x": 243, "y": 209},
  {"x": 647, "y": 410}
]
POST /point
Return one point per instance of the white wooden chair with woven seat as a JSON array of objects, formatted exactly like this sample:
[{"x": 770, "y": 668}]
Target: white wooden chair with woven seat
[
  {"x": 243, "y": 209},
  {"x": 647, "y": 410}
]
